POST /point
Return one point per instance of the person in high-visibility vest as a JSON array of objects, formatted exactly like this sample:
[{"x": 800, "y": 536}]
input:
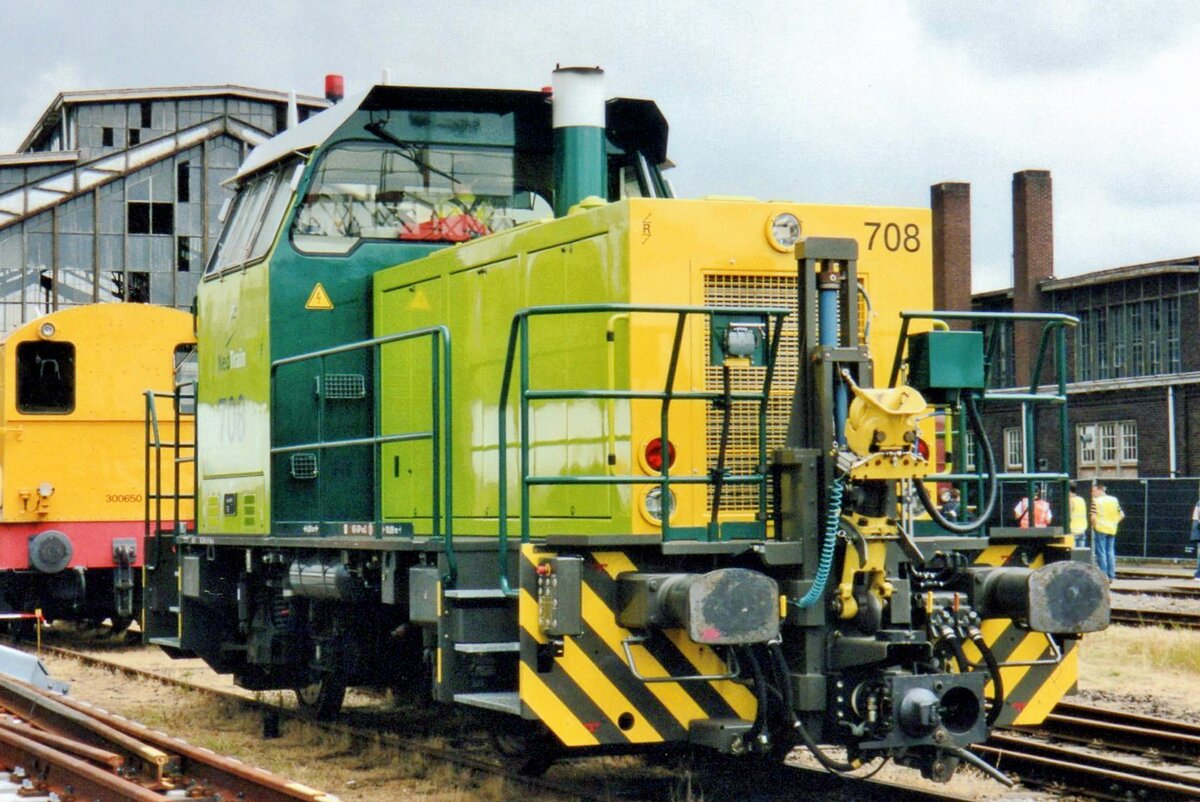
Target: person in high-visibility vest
[
  {"x": 1079, "y": 516},
  {"x": 1106, "y": 518},
  {"x": 1041, "y": 511}
]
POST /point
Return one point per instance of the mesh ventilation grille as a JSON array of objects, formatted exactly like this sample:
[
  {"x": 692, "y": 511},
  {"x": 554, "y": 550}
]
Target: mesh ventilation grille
[
  {"x": 303, "y": 466},
  {"x": 741, "y": 454},
  {"x": 345, "y": 386}
]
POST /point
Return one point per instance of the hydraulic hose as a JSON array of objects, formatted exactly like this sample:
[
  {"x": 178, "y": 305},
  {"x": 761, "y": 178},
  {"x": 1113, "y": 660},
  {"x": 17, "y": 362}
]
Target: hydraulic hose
[
  {"x": 760, "y": 691},
  {"x": 989, "y": 459},
  {"x": 994, "y": 669},
  {"x": 832, "y": 521},
  {"x": 831, "y": 764}
]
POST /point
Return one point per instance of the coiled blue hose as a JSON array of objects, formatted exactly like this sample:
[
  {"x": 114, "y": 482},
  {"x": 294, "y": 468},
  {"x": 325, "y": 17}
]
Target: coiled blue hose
[{"x": 832, "y": 519}]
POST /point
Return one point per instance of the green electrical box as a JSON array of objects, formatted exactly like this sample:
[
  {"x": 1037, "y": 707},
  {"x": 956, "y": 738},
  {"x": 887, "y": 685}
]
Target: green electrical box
[{"x": 940, "y": 363}]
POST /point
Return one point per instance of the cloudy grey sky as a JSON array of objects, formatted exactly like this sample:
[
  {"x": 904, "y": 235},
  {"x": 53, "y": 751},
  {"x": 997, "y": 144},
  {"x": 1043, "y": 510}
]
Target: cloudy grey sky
[{"x": 832, "y": 101}]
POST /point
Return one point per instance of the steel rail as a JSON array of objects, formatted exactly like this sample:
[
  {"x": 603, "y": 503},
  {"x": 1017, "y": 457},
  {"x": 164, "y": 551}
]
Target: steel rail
[
  {"x": 1120, "y": 730},
  {"x": 146, "y": 759},
  {"x": 1138, "y": 617},
  {"x": 1102, "y": 776}
]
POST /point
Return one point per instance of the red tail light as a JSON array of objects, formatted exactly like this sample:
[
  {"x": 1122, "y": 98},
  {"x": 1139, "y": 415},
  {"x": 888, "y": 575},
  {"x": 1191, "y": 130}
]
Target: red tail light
[
  {"x": 923, "y": 448},
  {"x": 654, "y": 454}
]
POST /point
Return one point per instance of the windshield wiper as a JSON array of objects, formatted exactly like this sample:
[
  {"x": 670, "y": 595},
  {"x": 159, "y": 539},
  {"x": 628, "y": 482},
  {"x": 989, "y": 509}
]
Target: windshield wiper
[{"x": 408, "y": 150}]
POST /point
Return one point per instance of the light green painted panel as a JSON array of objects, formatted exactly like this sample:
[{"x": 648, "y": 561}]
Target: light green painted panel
[
  {"x": 232, "y": 418},
  {"x": 476, "y": 289}
]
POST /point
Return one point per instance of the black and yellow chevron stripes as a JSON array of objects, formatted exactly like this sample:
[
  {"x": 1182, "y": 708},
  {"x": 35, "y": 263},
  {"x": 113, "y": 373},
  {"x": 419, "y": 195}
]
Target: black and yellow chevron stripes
[
  {"x": 590, "y": 697},
  {"x": 1030, "y": 692}
]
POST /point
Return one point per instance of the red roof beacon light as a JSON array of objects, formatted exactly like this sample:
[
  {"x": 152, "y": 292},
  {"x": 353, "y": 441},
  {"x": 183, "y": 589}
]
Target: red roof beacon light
[{"x": 335, "y": 87}]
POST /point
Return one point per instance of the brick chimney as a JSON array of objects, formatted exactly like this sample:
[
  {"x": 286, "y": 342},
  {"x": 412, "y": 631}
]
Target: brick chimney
[
  {"x": 951, "y": 205},
  {"x": 1033, "y": 257}
]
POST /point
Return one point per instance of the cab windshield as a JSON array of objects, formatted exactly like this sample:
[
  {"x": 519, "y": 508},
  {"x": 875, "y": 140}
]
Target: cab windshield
[{"x": 412, "y": 192}]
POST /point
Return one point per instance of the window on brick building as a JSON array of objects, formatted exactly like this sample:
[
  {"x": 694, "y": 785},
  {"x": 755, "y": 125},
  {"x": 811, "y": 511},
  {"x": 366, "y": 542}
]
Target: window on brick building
[
  {"x": 1129, "y": 443},
  {"x": 1086, "y": 435},
  {"x": 1108, "y": 443},
  {"x": 1107, "y": 448},
  {"x": 971, "y": 447},
  {"x": 1014, "y": 449},
  {"x": 1139, "y": 337}
]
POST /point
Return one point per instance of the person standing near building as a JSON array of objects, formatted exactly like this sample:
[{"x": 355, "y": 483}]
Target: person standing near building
[
  {"x": 1078, "y": 509},
  {"x": 1106, "y": 519},
  {"x": 1041, "y": 511},
  {"x": 1195, "y": 538}
]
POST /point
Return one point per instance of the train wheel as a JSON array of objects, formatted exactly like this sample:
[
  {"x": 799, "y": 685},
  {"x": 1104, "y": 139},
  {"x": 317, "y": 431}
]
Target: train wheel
[
  {"x": 322, "y": 699},
  {"x": 527, "y": 745}
]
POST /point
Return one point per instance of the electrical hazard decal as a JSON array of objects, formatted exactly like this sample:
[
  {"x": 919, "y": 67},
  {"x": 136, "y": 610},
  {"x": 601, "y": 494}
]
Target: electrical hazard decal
[{"x": 318, "y": 299}]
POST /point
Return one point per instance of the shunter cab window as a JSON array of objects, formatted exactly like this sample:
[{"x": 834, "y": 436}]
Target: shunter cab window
[
  {"x": 415, "y": 193},
  {"x": 46, "y": 378},
  {"x": 254, "y": 220}
]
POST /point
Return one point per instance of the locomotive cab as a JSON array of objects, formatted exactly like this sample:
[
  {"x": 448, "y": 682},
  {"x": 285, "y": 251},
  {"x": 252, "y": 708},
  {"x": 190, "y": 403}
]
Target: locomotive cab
[
  {"x": 483, "y": 410},
  {"x": 69, "y": 540}
]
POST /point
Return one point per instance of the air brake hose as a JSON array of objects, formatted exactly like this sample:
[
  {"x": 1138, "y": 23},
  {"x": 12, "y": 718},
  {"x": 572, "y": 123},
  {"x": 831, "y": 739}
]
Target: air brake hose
[
  {"x": 989, "y": 458},
  {"x": 832, "y": 520},
  {"x": 832, "y": 764}
]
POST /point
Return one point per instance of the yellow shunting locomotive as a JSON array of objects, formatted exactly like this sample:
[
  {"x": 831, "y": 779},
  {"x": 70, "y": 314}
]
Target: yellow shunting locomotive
[
  {"x": 483, "y": 410},
  {"x": 72, "y": 495}
]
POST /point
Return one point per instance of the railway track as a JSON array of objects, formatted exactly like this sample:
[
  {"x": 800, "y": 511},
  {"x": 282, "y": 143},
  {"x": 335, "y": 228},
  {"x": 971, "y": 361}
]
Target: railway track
[
  {"x": 1153, "y": 572},
  {"x": 51, "y": 744},
  {"x": 1171, "y": 592},
  {"x": 1105, "y": 754},
  {"x": 715, "y": 778},
  {"x": 1138, "y": 617}
]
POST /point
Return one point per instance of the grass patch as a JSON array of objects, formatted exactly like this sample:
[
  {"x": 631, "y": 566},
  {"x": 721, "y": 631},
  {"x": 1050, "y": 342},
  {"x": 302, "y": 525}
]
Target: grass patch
[{"x": 1143, "y": 660}]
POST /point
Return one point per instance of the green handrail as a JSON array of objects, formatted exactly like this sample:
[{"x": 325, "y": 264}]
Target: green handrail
[
  {"x": 154, "y": 486},
  {"x": 1054, "y": 325},
  {"x": 440, "y": 434},
  {"x": 518, "y": 342}
]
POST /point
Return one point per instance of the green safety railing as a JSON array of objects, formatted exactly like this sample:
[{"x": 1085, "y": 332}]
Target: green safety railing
[
  {"x": 519, "y": 348},
  {"x": 1054, "y": 328},
  {"x": 180, "y": 453},
  {"x": 440, "y": 433}
]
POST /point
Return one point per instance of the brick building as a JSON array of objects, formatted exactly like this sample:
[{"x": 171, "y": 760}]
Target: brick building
[{"x": 1133, "y": 386}]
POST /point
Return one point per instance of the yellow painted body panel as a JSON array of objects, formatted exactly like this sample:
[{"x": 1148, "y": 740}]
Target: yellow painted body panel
[
  {"x": 94, "y": 456},
  {"x": 640, "y": 251},
  {"x": 674, "y": 245}
]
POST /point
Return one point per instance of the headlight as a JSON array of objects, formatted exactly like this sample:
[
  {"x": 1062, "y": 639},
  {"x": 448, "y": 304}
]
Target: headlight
[
  {"x": 46, "y": 330},
  {"x": 654, "y": 505},
  {"x": 783, "y": 231}
]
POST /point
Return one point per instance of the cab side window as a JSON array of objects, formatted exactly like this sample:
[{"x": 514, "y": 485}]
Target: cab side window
[
  {"x": 46, "y": 378},
  {"x": 187, "y": 370}
]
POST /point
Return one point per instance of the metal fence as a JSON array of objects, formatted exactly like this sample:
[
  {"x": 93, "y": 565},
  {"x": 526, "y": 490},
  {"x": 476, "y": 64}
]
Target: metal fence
[{"x": 1158, "y": 515}]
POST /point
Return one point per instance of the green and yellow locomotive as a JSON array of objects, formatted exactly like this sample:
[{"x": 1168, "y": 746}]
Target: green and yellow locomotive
[{"x": 483, "y": 410}]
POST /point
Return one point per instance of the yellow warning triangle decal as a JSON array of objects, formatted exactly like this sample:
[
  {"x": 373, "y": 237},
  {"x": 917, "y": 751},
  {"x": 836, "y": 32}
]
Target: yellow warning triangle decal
[
  {"x": 318, "y": 299},
  {"x": 419, "y": 301}
]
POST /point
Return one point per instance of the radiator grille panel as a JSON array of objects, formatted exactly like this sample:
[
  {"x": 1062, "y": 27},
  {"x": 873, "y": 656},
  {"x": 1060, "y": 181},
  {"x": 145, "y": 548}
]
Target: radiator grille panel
[{"x": 741, "y": 455}]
